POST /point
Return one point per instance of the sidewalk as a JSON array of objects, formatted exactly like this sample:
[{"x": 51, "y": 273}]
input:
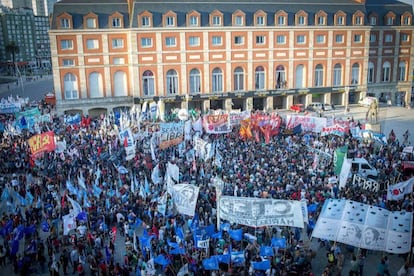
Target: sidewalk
[{"x": 4, "y": 87}]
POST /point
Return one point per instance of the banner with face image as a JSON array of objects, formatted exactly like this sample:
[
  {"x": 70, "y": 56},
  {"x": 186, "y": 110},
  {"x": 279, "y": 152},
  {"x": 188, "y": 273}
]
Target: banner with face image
[{"x": 364, "y": 226}]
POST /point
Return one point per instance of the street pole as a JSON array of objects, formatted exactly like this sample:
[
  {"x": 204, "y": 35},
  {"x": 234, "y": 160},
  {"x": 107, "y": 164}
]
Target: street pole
[
  {"x": 346, "y": 99},
  {"x": 218, "y": 184}
]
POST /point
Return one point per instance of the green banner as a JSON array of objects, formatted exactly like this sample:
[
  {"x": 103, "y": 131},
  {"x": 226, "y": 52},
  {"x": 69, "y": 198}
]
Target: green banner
[{"x": 339, "y": 157}]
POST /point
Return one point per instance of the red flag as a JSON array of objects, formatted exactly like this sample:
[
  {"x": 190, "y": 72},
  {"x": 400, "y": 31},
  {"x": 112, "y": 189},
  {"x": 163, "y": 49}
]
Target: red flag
[
  {"x": 113, "y": 233},
  {"x": 125, "y": 142}
]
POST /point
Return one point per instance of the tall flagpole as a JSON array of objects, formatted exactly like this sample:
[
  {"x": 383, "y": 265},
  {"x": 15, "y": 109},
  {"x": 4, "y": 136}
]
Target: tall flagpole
[{"x": 218, "y": 184}]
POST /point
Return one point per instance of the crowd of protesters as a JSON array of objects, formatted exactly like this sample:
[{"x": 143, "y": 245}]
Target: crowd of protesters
[{"x": 280, "y": 169}]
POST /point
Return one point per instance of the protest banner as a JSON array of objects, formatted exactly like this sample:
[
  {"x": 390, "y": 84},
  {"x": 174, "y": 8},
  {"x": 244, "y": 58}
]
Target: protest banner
[
  {"x": 364, "y": 226},
  {"x": 399, "y": 190},
  {"x": 333, "y": 130},
  {"x": 215, "y": 124},
  {"x": 237, "y": 117},
  {"x": 339, "y": 157},
  {"x": 171, "y": 134},
  {"x": 307, "y": 123},
  {"x": 42, "y": 142},
  {"x": 10, "y": 107},
  {"x": 258, "y": 212},
  {"x": 185, "y": 198}
]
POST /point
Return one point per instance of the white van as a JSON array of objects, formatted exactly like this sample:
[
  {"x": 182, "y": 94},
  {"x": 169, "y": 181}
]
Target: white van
[
  {"x": 319, "y": 106},
  {"x": 361, "y": 167}
]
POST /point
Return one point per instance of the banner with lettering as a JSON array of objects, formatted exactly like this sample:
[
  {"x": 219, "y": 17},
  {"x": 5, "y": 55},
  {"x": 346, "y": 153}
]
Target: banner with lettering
[
  {"x": 364, "y": 226},
  {"x": 333, "y": 130},
  {"x": 308, "y": 123},
  {"x": 258, "y": 212},
  {"x": 10, "y": 107},
  {"x": 237, "y": 117},
  {"x": 27, "y": 119},
  {"x": 216, "y": 124},
  {"x": 185, "y": 197},
  {"x": 171, "y": 134},
  {"x": 42, "y": 142}
]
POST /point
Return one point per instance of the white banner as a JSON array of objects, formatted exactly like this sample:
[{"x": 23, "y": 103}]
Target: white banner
[
  {"x": 69, "y": 223},
  {"x": 314, "y": 124},
  {"x": 203, "y": 243},
  {"x": 258, "y": 212},
  {"x": 173, "y": 171},
  {"x": 397, "y": 191},
  {"x": 237, "y": 117},
  {"x": 185, "y": 198},
  {"x": 343, "y": 176},
  {"x": 365, "y": 226},
  {"x": 200, "y": 147}
]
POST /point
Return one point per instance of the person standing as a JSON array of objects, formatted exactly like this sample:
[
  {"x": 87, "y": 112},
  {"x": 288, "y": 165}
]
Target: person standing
[
  {"x": 64, "y": 260},
  {"x": 381, "y": 268},
  {"x": 74, "y": 258},
  {"x": 354, "y": 267}
]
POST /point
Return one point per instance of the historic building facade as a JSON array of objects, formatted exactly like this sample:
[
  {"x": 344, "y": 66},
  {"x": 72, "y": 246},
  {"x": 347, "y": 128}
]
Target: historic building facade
[{"x": 212, "y": 54}]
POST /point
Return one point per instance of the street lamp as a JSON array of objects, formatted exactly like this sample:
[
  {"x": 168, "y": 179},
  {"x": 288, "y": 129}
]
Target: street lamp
[
  {"x": 346, "y": 99},
  {"x": 218, "y": 184}
]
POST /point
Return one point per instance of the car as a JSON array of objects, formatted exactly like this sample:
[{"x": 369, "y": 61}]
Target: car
[
  {"x": 298, "y": 108},
  {"x": 318, "y": 106}
]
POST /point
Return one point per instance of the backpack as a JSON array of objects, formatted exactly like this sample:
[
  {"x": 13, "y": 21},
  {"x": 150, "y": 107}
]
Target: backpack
[{"x": 331, "y": 257}]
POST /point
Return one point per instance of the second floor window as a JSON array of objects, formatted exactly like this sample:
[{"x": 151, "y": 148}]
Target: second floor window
[
  {"x": 146, "y": 42},
  {"x": 66, "y": 44},
  {"x": 216, "y": 40},
  {"x": 260, "y": 39},
  {"x": 320, "y": 39},
  {"x": 357, "y": 38},
  {"x": 194, "y": 41},
  {"x": 388, "y": 38},
  {"x": 117, "y": 43},
  {"x": 238, "y": 40},
  {"x": 281, "y": 39},
  {"x": 92, "y": 44},
  {"x": 170, "y": 41},
  {"x": 339, "y": 38},
  {"x": 300, "y": 39}
]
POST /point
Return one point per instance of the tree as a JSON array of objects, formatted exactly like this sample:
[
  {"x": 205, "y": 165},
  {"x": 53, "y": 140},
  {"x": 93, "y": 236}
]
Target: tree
[{"x": 12, "y": 49}]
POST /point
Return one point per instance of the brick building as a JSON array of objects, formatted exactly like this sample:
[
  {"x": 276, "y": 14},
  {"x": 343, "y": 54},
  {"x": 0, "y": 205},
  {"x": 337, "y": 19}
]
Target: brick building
[{"x": 229, "y": 55}]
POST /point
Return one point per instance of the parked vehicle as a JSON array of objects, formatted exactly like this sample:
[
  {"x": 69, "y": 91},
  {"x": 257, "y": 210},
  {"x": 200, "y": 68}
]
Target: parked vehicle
[
  {"x": 298, "y": 108},
  {"x": 360, "y": 166},
  {"x": 319, "y": 106},
  {"x": 367, "y": 101}
]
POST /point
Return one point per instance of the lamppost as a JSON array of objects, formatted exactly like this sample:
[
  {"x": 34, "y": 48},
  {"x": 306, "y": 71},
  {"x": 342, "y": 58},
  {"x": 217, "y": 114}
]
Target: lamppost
[
  {"x": 346, "y": 99},
  {"x": 218, "y": 184}
]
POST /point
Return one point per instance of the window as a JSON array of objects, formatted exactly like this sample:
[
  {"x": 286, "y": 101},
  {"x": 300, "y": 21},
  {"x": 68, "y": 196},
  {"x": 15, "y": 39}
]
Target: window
[
  {"x": 91, "y": 23},
  {"x": 195, "y": 81},
  {"x": 358, "y": 20},
  {"x": 64, "y": 23},
  {"x": 339, "y": 38},
  {"x": 148, "y": 83},
  {"x": 116, "y": 22},
  {"x": 301, "y": 20},
  {"x": 92, "y": 44},
  {"x": 216, "y": 20},
  {"x": 217, "y": 80},
  {"x": 373, "y": 21},
  {"x": 318, "y": 75},
  {"x": 66, "y": 44},
  {"x": 280, "y": 77},
  {"x": 337, "y": 75},
  {"x": 321, "y": 20},
  {"x": 386, "y": 72},
  {"x": 260, "y": 78},
  {"x": 95, "y": 85},
  {"x": 355, "y": 74},
  {"x": 238, "y": 20},
  {"x": 70, "y": 86},
  {"x": 145, "y": 21},
  {"x": 281, "y": 39},
  {"x": 194, "y": 41},
  {"x": 193, "y": 21},
  {"x": 300, "y": 75},
  {"x": 340, "y": 20},
  {"x": 300, "y": 39},
  {"x": 407, "y": 20},
  {"x": 402, "y": 71},
  {"x": 357, "y": 38},
  {"x": 170, "y": 41},
  {"x": 390, "y": 21},
  {"x": 260, "y": 39},
  {"x": 146, "y": 42},
  {"x": 172, "y": 82},
  {"x": 238, "y": 79},
  {"x": 238, "y": 40},
  {"x": 216, "y": 40},
  {"x": 281, "y": 20},
  {"x": 68, "y": 62},
  {"x": 388, "y": 38},
  {"x": 260, "y": 21},
  {"x": 320, "y": 39},
  {"x": 371, "y": 72},
  {"x": 405, "y": 38},
  {"x": 118, "y": 61},
  {"x": 169, "y": 21},
  {"x": 372, "y": 38},
  {"x": 117, "y": 43}
]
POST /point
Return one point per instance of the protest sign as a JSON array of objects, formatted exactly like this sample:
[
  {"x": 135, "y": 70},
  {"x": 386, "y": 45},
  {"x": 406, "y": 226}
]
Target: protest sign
[
  {"x": 258, "y": 212},
  {"x": 171, "y": 134},
  {"x": 42, "y": 142},
  {"x": 185, "y": 198},
  {"x": 215, "y": 124},
  {"x": 307, "y": 123}
]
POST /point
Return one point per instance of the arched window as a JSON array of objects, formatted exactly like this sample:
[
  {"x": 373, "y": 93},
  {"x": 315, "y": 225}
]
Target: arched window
[
  {"x": 195, "y": 81},
  {"x": 148, "y": 83},
  {"x": 95, "y": 85},
  {"x": 217, "y": 80},
  {"x": 120, "y": 84},
  {"x": 337, "y": 75},
  {"x": 300, "y": 74},
  {"x": 371, "y": 72},
  {"x": 70, "y": 86},
  {"x": 355, "y": 74},
  {"x": 260, "y": 78},
  {"x": 238, "y": 79},
  {"x": 386, "y": 72},
  {"x": 318, "y": 75},
  {"x": 402, "y": 71},
  {"x": 280, "y": 77},
  {"x": 172, "y": 82}
]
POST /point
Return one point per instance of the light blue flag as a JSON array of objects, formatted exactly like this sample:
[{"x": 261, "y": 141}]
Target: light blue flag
[
  {"x": 72, "y": 190},
  {"x": 21, "y": 199},
  {"x": 5, "y": 194},
  {"x": 147, "y": 187},
  {"x": 96, "y": 191},
  {"x": 29, "y": 197}
]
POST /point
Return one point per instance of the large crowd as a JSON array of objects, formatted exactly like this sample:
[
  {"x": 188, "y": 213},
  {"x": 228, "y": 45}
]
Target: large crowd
[{"x": 281, "y": 169}]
